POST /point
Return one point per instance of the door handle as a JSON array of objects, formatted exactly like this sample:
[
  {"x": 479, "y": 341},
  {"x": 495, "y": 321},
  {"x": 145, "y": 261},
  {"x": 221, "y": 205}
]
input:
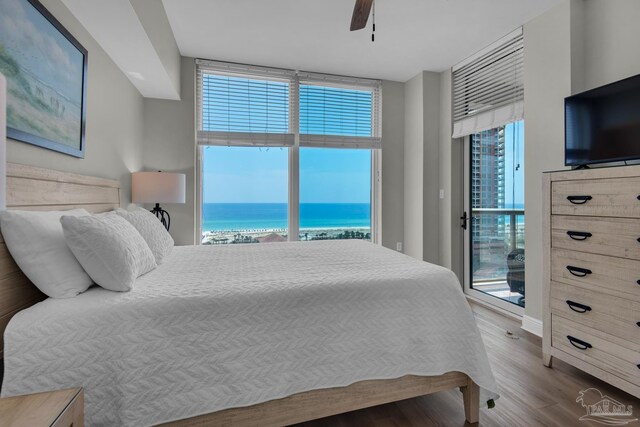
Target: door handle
[{"x": 463, "y": 220}]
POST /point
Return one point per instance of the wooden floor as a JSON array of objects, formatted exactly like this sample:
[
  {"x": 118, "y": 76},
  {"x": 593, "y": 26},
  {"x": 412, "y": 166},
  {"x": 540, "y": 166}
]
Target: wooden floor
[{"x": 531, "y": 395}]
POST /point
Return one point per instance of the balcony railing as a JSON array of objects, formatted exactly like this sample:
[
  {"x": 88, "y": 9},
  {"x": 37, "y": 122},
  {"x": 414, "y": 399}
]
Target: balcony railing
[{"x": 512, "y": 214}]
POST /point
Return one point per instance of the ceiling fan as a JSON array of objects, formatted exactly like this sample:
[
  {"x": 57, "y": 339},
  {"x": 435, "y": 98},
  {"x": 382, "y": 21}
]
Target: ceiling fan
[{"x": 361, "y": 12}]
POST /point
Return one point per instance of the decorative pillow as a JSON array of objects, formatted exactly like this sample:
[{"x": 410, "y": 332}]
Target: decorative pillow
[
  {"x": 37, "y": 244},
  {"x": 152, "y": 231},
  {"x": 109, "y": 249}
]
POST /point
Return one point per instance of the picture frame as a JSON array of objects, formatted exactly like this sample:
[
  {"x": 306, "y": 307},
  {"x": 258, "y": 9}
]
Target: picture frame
[{"x": 46, "y": 72}]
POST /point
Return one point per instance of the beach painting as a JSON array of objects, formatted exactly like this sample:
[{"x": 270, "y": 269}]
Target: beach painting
[{"x": 45, "y": 68}]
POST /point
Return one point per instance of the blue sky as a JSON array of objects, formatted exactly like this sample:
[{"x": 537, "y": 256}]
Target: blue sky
[{"x": 253, "y": 175}]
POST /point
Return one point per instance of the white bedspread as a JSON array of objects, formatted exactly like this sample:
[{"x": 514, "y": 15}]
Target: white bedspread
[{"x": 235, "y": 325}]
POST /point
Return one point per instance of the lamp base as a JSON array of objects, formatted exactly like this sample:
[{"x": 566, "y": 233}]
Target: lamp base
[{"x": 162, "y": 215}]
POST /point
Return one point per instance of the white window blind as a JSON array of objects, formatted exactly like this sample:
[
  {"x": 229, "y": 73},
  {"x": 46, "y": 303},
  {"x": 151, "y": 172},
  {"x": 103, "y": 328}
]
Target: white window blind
[
  {"x": 338, "y": 111},
  {"x": 488, "y": 88},
  {"x": 259, "y": 106},
  {"x": 243, "y": 105}
]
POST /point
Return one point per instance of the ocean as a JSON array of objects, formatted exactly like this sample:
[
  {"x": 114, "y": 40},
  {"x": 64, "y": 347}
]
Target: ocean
[{"x": 259, "y": 216}]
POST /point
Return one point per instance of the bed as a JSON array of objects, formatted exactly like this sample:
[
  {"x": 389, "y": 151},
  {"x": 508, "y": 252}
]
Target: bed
[{"x": 268, "y": 334}]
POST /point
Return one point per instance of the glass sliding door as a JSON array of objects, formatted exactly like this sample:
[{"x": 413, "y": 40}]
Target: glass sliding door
[{"x": 495, "y": 228}]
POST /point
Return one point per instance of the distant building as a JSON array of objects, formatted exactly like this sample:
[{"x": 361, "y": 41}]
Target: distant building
[
  {"x": 272, "y": 238},
  {"x": 488, "y": 191}
]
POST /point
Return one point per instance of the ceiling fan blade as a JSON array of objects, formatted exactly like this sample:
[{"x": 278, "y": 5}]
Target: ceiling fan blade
[{"x": 361, "y": 12}]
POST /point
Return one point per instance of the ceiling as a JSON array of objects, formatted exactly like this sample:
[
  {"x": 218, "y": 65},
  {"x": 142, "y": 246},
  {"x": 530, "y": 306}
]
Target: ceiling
[{"x": 313, "y": 35}]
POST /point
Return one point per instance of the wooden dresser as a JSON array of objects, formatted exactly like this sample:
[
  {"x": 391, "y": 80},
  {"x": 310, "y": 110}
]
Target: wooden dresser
[{"x": 591, "y": 251}]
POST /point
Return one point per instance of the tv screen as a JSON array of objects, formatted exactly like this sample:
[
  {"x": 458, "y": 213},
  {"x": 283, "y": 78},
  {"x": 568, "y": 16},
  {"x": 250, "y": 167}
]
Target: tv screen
[{"x": 603, "y": 124}]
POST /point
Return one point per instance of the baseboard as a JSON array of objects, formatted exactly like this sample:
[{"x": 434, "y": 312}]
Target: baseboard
[{"x": 532, "y": 325}]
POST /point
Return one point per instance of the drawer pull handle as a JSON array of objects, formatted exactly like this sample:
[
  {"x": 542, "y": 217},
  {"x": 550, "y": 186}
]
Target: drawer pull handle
[
  {"x": 638, "y": 323},
  {"x": 580, "y": 235},
  {"x": 579, "y": 344},
  {"x": 638, "y": 239},
  {"x": 577, "y": 307},
  {"x": 579, "y": 200},
  {"x": 578, "y": 271}
]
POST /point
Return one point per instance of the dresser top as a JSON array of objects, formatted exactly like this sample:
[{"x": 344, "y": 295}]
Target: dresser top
[
  {"x": 34, "y": 410},
  {"x": 595, "y": 173}
]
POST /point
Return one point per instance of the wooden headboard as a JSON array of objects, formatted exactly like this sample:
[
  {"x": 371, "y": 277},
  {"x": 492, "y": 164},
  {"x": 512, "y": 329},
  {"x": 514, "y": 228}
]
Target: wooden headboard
[{"x": 32, "y": 188}]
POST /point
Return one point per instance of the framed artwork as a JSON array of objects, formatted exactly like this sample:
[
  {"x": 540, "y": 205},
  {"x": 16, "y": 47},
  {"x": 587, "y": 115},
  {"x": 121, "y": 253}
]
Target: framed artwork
[{"x": 46, "y": 72}]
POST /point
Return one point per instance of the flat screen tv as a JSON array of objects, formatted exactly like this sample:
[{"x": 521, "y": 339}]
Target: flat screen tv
[{"x": 603, "y": 124}]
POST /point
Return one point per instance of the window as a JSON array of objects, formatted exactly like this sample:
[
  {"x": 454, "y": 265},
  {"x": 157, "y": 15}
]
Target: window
[
  {"x": 335, "y": 194},
  {"x": 285, "y": 155},
  {"x": 244, "y": 194}
]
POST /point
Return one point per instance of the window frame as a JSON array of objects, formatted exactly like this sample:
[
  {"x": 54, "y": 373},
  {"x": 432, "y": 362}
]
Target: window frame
[{"x": 295, "y": 79}]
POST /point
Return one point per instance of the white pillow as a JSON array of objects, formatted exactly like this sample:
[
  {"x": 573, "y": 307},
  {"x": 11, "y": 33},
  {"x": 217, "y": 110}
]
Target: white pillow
[
  {"x": 151, "y": 229},
  {"x": 109, "y": 249},
  {"x": 37, "y": 244}
]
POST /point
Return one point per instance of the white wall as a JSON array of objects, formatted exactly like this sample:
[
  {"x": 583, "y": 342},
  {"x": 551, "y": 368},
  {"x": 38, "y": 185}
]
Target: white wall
[
  {"x": 422, "y": 166},
  {"x": 392, "y": 163},
  {"x": 547, "y": 81},
  {"x": 170, "y": 144},
  {"x": 114, "y": 127},
  {"x": 413, "y": 166},
  {"x": 451, "y": 181},
  {"x": 612, "y": 33},
  {"x": 431, "y": 167},
  {"x": 156, "y": 24}
]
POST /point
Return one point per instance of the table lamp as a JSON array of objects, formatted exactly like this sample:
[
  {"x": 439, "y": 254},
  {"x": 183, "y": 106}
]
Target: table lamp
[{"x": 158, "y": 187}]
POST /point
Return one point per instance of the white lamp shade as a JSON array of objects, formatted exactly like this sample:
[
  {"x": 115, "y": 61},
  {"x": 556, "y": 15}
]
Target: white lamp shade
[
  {"x": 158, "y": 187},
  {"x": 3, "y": 142}
]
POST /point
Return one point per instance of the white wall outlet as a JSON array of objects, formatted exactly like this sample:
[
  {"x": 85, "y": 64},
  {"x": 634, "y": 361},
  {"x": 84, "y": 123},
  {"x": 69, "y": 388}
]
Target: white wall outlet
[
  {"x": 442, "y": 193},
  {"x": 399, "y": 246}
]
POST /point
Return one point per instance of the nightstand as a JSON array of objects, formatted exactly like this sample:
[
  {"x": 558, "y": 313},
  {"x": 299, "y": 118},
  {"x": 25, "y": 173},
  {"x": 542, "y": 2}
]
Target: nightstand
[{"x": 61, "y": 408}]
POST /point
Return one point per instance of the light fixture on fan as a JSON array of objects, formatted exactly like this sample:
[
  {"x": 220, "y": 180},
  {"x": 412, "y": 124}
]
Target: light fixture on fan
[{"x": 361, "y": 11}]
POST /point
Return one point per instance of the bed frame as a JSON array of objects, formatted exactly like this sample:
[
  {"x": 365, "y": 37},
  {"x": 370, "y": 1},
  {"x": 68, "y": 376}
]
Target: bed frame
[{"x": 33, "y": 188}]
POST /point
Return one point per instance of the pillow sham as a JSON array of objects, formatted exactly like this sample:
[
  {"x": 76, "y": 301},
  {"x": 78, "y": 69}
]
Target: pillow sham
[
  {"x": 109, "y": 249},
  {"x": 37, "y": 244},
  {"x": 151, "y": 229}
]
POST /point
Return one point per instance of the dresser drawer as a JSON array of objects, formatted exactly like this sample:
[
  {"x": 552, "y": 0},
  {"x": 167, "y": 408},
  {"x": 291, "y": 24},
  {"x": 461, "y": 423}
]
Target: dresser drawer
[
  {"x": 618, "y": 237},
  {"x": 609, "y": 353},
  {"x": 616, "y": 197},
  {"x": 617, "y": 276},
  {"x": 613, "y": 315}
]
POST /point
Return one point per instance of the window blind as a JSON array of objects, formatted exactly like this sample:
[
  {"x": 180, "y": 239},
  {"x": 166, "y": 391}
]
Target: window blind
[
  {"x": 488, "y": 88},
  {"x": 243, "y": 105},
  {"x": 338, "y": 111},
  {"x": 259, "y": 106}
]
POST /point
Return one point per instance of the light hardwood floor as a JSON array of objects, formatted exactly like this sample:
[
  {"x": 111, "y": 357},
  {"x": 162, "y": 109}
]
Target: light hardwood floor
[{"x": 531, "y": 394}]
